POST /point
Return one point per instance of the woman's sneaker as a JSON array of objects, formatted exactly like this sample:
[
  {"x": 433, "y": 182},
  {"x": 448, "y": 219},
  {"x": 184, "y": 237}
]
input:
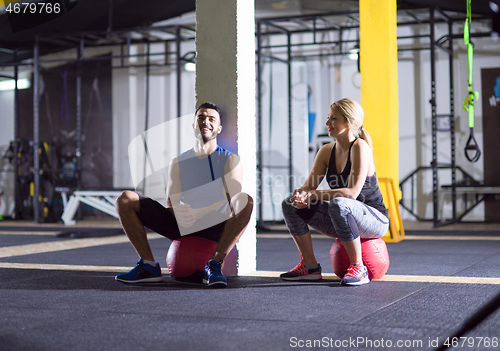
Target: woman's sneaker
[
  {"x": 302, "y": 272},
  {"x": 357, "y": 274},
  {"x": 142, "y": 273}
]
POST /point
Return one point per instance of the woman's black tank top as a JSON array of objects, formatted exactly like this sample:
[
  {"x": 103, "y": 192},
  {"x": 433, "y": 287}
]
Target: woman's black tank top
[{"x": 370, "y": 193}]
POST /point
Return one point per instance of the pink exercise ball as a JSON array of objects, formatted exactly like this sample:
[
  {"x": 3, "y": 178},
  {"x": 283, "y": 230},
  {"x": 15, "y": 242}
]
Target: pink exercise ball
[
  {"x": 189, "y": 254},
  {"x": 374, "y": 254}
]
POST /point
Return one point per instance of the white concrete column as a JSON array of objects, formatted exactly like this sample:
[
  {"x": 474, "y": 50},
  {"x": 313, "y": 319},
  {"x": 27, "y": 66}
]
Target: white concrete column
[{"x": 225, "y": 75}]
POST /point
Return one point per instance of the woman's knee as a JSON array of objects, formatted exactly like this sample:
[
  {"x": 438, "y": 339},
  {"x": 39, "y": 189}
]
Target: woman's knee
[
  {"x": 341, "y": 206},
  {"x": 292, "y": 214},
  {"x": 341, "y": 215},
  {"x": 286, "y": 204}
]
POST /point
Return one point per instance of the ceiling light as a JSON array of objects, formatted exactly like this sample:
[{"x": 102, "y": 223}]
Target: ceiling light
[
  {"x": 190, "y": 67},
  {"x": 353, "y": 54},
  {"x": 494, "y": 7},
  {"x": 23, "y": 83}
]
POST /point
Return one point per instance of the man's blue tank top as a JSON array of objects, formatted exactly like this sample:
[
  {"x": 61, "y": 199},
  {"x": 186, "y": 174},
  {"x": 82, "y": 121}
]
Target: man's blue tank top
[{"x": 202, "y": 178}]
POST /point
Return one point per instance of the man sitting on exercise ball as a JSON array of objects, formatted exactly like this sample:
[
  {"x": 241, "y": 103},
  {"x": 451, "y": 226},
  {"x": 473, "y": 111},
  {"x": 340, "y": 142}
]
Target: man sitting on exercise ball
[{"x": 204, "y": 199}]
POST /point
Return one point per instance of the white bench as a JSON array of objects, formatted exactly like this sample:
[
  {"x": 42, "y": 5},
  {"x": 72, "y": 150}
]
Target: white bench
[
  {"x": 99, "y": 199},
  {"x": 465, "y": 190}
]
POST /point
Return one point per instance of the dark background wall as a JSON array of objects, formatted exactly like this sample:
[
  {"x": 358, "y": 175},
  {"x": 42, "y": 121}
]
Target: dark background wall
[
  {"x": 490, "y": 79},
  {"x": 57, "y": 116}
]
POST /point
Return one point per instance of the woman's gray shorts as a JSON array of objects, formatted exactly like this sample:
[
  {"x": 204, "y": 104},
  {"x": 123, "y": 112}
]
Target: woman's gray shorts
[{"x": 341, "y": 218}]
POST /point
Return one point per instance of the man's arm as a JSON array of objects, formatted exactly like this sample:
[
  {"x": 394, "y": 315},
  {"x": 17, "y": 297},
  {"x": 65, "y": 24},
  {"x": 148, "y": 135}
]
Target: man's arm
[
  {"x": 233, "y": 176},
  {"x": 174, "y": 186}
]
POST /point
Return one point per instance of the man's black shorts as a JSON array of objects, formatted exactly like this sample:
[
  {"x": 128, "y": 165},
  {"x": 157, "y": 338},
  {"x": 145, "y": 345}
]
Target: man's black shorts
[{"x": 161, "y": 220}]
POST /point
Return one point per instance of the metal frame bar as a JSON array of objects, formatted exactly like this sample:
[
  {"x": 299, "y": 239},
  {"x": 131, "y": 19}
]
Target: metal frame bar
[
  {"x": 178, "y": 82},
  {"x": 289, "y": 77},
  {"x": 419, "y": 17},
  {"x": 435, "y": 165},
  {"x": 79, "y": 73},
  {"x": 259, "y": 120},
  {"x": 434, "y": 162},
  {"x": 36, "y": 131},
  {"x": 452, "y": 125},
  {"x": 453, "y": 188},
  {"x": 109, "y": 37},
  {"x": 81, "y": 41},
  {"x": 17, "y": 182}
]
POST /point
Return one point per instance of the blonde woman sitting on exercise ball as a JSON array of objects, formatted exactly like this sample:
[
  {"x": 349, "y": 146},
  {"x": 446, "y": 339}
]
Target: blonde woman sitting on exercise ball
[{"x": 353, "y": 208}]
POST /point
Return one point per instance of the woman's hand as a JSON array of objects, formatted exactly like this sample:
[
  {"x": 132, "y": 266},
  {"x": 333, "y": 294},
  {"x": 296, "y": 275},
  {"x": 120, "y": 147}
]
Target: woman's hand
[{"x": 303, "y": 198}]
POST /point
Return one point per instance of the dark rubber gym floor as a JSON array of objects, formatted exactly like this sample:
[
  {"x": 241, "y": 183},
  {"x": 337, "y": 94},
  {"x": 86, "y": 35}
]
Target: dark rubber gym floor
[{"x": 59, "y": 293}]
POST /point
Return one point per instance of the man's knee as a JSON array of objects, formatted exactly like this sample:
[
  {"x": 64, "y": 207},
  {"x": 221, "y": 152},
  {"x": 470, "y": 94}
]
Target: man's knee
[
  {"x": 243, "y": 204},
  {"x": 127, "y": 200}
]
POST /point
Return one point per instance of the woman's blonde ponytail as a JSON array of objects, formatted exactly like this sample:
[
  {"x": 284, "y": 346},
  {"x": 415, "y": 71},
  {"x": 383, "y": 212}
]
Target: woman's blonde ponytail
[{"x": 363, "y": 134}]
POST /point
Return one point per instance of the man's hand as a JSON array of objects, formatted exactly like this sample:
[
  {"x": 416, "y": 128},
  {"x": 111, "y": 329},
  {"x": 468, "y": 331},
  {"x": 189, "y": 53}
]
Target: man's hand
[{"x": 185, "y": 215}]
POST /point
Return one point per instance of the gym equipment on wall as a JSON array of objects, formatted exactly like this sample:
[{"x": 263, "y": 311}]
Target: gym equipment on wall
[
  {"x": 472, "y": 95},
  {"x": 172, "y": 36},
  {"x": 47, "y": 177}
]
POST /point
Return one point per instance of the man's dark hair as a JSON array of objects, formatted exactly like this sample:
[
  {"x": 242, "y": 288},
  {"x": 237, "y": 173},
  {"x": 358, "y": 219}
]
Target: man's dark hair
[{"x": 210, "y": 105}]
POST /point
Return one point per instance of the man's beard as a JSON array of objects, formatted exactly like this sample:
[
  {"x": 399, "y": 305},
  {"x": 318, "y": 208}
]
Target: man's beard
[{"x": 207, "y": 138}]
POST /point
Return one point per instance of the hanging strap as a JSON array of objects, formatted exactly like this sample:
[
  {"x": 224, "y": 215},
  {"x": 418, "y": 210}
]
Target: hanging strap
[{"x": 472, "y": 95}]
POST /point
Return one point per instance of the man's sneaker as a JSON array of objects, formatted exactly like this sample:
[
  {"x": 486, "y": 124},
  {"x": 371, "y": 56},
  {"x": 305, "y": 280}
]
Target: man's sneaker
[
  {"x": 213, "y": 276},
  {"x": 142, "y": 273},
  {"x": 302, "y": 272},
  {"x": 357, "y": 274}
]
